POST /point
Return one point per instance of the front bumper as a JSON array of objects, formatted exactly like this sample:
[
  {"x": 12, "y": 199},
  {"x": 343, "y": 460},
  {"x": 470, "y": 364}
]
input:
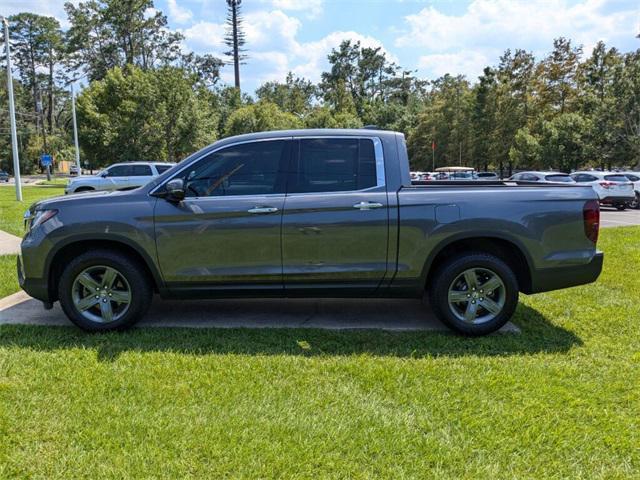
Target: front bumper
[
  {"x": 36, "y": 287},
  {"x": 548, "y": 279}
]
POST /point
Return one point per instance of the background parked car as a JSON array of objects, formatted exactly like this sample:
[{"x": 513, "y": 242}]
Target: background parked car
[
  {"x": 612, "y": 188},
  {"x": 73, "y": 170},
  {"x": 4, "y": 176},
  {"x": 120, "y": 176},
  {"x": 634, "y": 177},
  {"x": 542, "y": 177},
  {"x": 487, "y": 176}
]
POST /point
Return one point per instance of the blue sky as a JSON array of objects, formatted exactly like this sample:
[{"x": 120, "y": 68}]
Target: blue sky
[{"x": 432, "y": 37}]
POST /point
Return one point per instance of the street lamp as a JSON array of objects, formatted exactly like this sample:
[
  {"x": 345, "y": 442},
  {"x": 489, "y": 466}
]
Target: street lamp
[{"x": 12, "y": 113}]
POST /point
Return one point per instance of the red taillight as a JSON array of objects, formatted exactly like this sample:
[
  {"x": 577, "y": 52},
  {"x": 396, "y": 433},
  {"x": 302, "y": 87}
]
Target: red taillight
[
  {"x": 591, "y": 215},
  {"x": 607, "y": 184}
]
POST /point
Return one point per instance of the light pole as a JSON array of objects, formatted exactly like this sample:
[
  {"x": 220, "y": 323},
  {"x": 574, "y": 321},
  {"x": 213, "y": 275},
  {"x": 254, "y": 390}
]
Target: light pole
[
  {"x": 75, "y": 129},
  {"x": 12, "y": 114}
]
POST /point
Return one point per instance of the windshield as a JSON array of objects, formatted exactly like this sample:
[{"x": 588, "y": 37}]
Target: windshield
[{"x": 559, "y": 178}]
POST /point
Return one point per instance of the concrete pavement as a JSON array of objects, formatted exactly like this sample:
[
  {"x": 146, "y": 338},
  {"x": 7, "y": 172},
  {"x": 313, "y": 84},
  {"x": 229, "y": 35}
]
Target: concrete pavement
[
  {"x": 9, "y": 244},
  {"x": 610, "y": 217},
  {"x": 338, "y": 314}
]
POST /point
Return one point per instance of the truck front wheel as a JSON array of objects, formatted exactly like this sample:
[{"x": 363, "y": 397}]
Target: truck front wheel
[
  {"x": 104, "y": 290},
  {"x": 474, "y": 293}
]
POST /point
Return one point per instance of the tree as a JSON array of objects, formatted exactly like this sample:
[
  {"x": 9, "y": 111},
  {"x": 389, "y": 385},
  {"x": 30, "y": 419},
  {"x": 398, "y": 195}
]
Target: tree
[
  {"x": 235, "y": 38},
  {"x": 260, "y": 117},
  {"x": 562, "y": 142},
  {"x": 133, "y": 114},
  {"x": 321, "y": 117},
  {"x": 445, "y": 120},
  {"x": 597, "y": 102},
  {"x": 37, "y": 46},
  {"x": 295, "y": 95},
  {"x": 525, "y": 151},
  {"x": 626, "y": 91},
  {"x": 483, "y": 118},
  {"x": 558, "y": 74},
  {"x": 114, "y": 33},
  {"x": 206, "y": 67}
]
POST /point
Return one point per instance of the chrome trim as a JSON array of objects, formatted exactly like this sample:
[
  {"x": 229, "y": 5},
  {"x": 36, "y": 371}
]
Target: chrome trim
[{"x": 377, "y": 146}]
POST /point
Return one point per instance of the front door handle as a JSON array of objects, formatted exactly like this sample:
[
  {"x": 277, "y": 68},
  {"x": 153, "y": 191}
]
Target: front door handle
[
  {"x": 367, "y": 205},
  {"x": 263, "y": 210}
]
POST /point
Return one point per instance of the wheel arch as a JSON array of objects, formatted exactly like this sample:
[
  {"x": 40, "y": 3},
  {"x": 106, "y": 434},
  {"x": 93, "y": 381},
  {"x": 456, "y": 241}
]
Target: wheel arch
[
  {"x": 506, "y": 249},
  {"x": 58, "y": 259}
]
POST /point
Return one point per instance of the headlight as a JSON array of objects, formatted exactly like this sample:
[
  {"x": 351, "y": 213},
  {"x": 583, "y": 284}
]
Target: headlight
[{"x": 38, "y": 218}]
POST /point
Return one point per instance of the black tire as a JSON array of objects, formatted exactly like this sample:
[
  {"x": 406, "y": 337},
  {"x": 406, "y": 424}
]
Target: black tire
[
  {"x": 621, "y": 207},
  {"x": 636, "y": 203},
  {"x": 450, "y": 271},
  {"x": 132, "y": 272}
]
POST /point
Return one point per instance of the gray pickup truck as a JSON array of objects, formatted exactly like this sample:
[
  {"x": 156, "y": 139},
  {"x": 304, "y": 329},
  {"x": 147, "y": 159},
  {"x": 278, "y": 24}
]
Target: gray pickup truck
[{"x": 328, "y": 213}]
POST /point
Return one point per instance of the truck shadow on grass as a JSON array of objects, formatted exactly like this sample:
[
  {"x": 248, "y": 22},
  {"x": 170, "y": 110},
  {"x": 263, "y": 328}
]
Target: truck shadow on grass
[{"x": 538, "y": 335}]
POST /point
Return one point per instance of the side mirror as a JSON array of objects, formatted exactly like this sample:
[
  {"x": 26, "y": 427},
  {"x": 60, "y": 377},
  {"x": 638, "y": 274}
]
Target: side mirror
[
  {"x": 104, "y": 174},
  {"x": 175, "y": 190}
]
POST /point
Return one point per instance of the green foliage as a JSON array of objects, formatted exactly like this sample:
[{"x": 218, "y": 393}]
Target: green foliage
[
  {"x": 526, "y": 150},
  {"x": 147, "y": 99},
  {"x": 113, "y": 33},
  {"x": 260, "y": 117},
  {"x": 445, "y": 120},
  {"x": 134, "y": 114},
  {"x": 295, "y": 96},
  {"x": 562, "y": 142},
  {"x": 321, "y": 117}
]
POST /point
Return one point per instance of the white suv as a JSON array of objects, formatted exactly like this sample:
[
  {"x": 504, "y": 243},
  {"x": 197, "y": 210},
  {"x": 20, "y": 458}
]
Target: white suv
[
  {"x": 612, "y": 188},
  {"x": 119, "y": 176},
  {"x": 634, "y": 177}
]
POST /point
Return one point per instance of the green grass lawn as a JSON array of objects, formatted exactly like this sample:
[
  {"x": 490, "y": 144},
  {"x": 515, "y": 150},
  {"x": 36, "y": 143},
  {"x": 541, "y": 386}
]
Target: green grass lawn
[
  {"x": 11, "y": 211},
  {"x": 559, "y": 400}
]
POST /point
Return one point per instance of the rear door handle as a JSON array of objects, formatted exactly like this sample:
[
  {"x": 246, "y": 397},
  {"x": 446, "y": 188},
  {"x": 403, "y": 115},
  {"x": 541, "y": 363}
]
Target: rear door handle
[
  {"x": 367, "y": 205},
  {"x": 263, "y": 210}
]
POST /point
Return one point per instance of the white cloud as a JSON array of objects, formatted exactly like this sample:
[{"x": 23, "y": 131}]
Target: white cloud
[
  {"x": 487, "y": 27},
  {"x": 177, "y": 13},
  {"x": 273, "y": 46},
  {"x": 313, "y": 8},
  {"x": 454, "y": 63},
  {"x": 312, "y": 56},
  {"x": 205, "y": 36}
]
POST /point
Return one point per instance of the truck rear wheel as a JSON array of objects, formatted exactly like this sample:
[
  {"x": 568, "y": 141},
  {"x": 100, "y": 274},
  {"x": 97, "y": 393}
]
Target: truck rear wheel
[
  {"x": 104, "y": 290},
  {"x": 474, "y": 294}
]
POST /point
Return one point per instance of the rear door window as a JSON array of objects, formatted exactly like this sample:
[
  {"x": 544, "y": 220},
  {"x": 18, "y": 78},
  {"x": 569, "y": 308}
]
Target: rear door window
[
  {"x": 334, "y": 165},
  {"x": 119, "y": 171},
  {"x": 140, "y": 171},
  {"x": 559, "y": 178}
]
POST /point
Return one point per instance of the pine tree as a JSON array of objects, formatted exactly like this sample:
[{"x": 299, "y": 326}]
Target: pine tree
[{"x": 235, "y": 38}]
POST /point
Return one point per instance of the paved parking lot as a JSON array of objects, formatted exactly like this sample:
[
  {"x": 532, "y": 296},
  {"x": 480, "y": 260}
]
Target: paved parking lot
[{"x": 610, "y": 217}]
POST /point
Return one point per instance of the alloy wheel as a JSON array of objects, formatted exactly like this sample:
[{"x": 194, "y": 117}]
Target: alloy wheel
[
  {"x": 477, "y": 295},
  {"x": 101, "y": 294}
]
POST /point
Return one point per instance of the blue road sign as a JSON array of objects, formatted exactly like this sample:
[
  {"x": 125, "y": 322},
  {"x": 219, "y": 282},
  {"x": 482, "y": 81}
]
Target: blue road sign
[{"x": 46, "y": 160}]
